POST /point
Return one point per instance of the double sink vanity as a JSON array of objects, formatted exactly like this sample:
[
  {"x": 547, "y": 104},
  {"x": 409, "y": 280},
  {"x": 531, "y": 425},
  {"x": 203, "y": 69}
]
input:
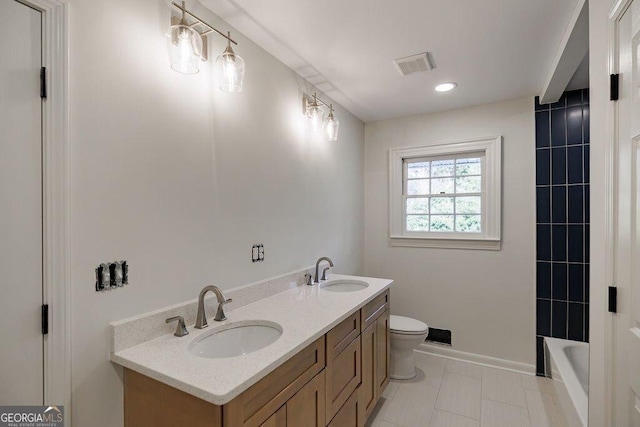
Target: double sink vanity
[{"x": 307, "y": 356}]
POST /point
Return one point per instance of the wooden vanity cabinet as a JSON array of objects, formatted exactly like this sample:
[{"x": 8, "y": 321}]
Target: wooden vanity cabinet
[
  {"x": 343, "y": 372},
  {"x": 279, "y": 419},
  {"x": 375, "y": 352},
  {"x": 368, "y": 388},
  {"x": 305, "y": 408},
  {"x": 352, "y": 413},
  {"x": 150, "y": 403},
  {"x": 334, "y": 382},
  {"x": 255, "y": 405}
]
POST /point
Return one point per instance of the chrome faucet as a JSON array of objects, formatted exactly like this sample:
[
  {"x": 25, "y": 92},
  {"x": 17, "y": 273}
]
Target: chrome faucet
[
  {"x": 317, "y": 276},
  {"x": 201, "y": 317}
]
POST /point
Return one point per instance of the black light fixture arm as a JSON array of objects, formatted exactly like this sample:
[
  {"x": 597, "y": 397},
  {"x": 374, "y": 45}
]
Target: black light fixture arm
[{"x": 210, "y": 29}]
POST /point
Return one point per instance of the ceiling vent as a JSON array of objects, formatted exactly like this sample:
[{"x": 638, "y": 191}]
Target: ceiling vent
[{"x": 414, "y": 63}]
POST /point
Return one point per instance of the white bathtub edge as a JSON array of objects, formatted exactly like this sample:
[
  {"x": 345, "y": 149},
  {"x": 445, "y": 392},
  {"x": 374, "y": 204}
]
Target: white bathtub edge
[{"x": 573, "y": 400}]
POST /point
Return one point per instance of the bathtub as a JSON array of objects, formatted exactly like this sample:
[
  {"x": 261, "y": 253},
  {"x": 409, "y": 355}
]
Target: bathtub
[{"x": 568, "y": 364}]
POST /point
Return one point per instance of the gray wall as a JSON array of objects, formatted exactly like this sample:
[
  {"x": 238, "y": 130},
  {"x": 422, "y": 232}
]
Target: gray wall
[
  {"x": 485, "y": 297},
  {"x": 181, "y": 179}
]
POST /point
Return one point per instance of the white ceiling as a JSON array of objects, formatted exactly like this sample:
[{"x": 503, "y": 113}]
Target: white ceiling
[{"x": 495, "y": 49}]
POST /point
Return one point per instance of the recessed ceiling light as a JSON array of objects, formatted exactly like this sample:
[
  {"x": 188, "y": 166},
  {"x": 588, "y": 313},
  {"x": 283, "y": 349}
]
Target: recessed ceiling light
[{"x": 446, "y": 87}]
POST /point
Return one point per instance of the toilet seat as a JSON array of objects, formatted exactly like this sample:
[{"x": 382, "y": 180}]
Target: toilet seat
[{"x": 402, "y": 325}]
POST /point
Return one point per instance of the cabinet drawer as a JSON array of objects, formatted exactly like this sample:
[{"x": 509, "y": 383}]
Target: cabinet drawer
[
  {"x": 374, "y": 309},
  {"x": 351, "y": 414},
  {"x": 258, "y": 403},
  {"x": 341, "y": 335},
  {"x": 343, "y": 375}
]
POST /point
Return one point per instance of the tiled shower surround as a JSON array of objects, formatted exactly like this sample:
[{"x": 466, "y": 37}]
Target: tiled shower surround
[{"x": 562, "y": 202}]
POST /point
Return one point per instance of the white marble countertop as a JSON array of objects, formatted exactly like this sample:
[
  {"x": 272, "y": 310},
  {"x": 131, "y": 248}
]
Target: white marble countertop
[{"x": 305, "y": 313}]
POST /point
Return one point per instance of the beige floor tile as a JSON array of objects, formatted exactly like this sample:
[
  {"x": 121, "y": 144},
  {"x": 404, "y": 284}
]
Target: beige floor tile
[
  {"x": 391, "y": 389},
  {"x": 464, "y": 368},
  {"x": 460, "y": 394},
  {"x": 498, "y": 414},
  {"x": 379, "y": 423},
  {"x": 379, "y": 410},
  {"x": 432, "y": 368},
  {"x": 531, "y": 382},
  {"x": 447, "y": 419},
  {"x": 542, "y": 410},
  {"x": 412, "y": 405},
  {"x": 503, "y": 386}
]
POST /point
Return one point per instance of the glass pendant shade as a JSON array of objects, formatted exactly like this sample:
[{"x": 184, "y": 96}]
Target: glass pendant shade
[
  {"x": 316, "y": 117},
  {"x": 230, "y": 71},
  {"x": 332, "y": 127},
  {"x": 185, "y": 49}
]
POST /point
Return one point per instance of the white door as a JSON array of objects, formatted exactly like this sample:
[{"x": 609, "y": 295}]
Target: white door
[
  {"x": 21, "y": 340},
  {"x": 626, "y": 334}
]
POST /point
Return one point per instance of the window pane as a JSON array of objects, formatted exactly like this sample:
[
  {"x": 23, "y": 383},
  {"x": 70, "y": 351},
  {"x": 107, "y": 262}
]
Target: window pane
[
  {"x": 418, "y": 170},
  {"x": 442, "y": 167},
  {"x": 441, "y": 223},
  {"x": 468, "y": 223},
  {"x": 417, "y": 222},
  {"x": 442, "y": 186},
  {"x": 469, "y": 184},
  {"x": 468, "y": 205},
  {"x": 468, "y": 166},
  {"x": 442, "y": 205},
  {"x": 417, "y": 186},
  {"x": 418, "y": 206}
]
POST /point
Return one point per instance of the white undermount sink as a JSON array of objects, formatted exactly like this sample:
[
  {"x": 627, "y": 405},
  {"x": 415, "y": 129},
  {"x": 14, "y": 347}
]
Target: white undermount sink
[
  {"x": 235, "y": 339},
  {"x": 342, "y": 285}
]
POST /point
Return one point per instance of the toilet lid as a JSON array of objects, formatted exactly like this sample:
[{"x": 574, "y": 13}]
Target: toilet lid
[{"x": 407, "y": 325}]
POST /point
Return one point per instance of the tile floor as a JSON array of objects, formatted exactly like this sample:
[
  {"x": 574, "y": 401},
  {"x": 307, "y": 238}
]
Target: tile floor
[{"x": 447, "y": 393}]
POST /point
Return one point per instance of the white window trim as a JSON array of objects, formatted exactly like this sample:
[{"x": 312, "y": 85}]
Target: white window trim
[{"x": 492, "y": 188}]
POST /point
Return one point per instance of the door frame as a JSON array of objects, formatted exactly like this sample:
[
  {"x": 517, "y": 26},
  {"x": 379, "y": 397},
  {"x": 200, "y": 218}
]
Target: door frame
[
  {"x": 56, "y": 287},
  {"x": 603, "y": 229}
]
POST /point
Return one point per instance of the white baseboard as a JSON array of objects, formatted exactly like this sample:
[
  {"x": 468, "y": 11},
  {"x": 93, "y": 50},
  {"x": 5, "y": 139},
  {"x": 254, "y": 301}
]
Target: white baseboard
[{"x": 478, "y": 359}]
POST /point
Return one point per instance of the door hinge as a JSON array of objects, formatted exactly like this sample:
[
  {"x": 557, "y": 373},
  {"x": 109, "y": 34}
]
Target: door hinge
[
  {"x": 614, "y": 87},
  {"x": 613, "y": 299},
  {"x": 45, "y": 319},
  {"x": 43, "y": 82}
]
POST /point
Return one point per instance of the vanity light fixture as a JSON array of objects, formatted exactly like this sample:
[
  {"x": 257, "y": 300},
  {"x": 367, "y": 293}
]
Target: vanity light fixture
[
  {"x": 315, "y": 114},
  {"x": 314, "y": 111},
  {"x": 230, "y": 69},
  {"x": 187, "y": 47},
  {"x": 184, "y": 45},
  {"x": 332, "y": 126},
  {"x": 446, "y": 87}
]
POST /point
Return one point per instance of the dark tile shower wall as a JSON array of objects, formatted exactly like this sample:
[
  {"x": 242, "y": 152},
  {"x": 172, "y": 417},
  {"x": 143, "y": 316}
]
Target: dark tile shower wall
[{"x": 562, "y": 205}]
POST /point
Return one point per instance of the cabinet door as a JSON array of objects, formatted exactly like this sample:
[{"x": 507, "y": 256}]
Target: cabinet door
[
  {"x": 307, "y": 407},
  {"x": 279, "y": 419},
  {"x": 383, "y": 348},
  {"x": 351, "y": 414},
  {"x": 343, "y": 377},
  {"x": 368, "y": 388}
]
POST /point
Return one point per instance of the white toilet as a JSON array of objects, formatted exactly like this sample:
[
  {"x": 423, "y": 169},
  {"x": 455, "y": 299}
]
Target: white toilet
[{"x": 406, "y": 335}]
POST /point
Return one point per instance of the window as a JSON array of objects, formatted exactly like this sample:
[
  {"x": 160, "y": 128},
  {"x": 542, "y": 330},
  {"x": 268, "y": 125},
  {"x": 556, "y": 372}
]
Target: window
[{"x": 446, "y": 195}]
